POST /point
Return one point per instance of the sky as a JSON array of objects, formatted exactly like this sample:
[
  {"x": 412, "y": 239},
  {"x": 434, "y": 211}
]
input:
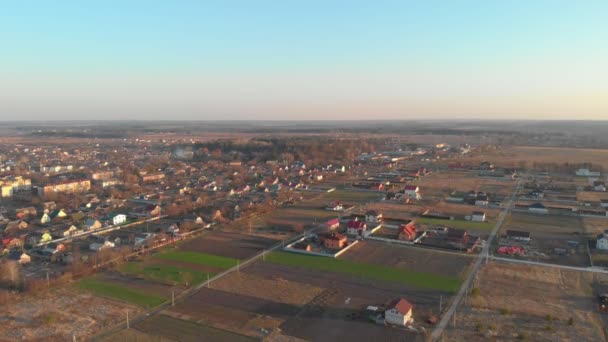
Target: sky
[{"x": 303, "y": 60}]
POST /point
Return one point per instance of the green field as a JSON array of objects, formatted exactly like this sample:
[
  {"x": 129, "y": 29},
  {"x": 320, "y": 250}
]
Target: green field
[
  {"x": 199, "y": 259},
  {"x": 370, "y": 271},
  {"x": 120, "y": 292},
  {"x": 461, "y": 224},
  {"x": 350, "y": 196},
  {"x": 166, "y": 273}
]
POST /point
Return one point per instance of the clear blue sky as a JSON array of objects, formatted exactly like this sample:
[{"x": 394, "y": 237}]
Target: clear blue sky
[{"x": 303, "y": 59}]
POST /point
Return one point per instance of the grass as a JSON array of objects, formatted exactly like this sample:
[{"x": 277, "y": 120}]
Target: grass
[
  {"x": 370, "y": 271},
  {"x": 166, "y": 273},
  {"x": 199, "y": 259},
  {"x": 353, "y": 196},
  {"x": 122, "y": 293},
  {"x": 461, "y": 224}
]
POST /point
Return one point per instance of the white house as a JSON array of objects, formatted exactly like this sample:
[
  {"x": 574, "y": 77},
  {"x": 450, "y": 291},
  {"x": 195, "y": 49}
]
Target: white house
[
  {"x": 587, "y": 173},
  {"x": 538, "y": 208},
  {"x": 412, "y": 191},
  {"x": 602, "y": 241},
  {"x": 45, "y": 219},
  {"x": 478, "y": 216},
  {"x": 399, "y": 312},
  {"x": 373, "y": 216},
  {"x": 118, "y": 219}
]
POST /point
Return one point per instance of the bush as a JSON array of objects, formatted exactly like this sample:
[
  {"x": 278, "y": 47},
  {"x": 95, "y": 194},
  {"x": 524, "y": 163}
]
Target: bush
[
  {"x": 479, "y": 327},
  {"x": 522, "y": 336},
  {"x": 492, "y": 326},
  {"x": 571, "y": 321},
  {"x": 549, "y": 328},
  {"x": 505, "y": 311},
  {"x": 549, "y": 318},
  {"x": 475, "y": 292}
]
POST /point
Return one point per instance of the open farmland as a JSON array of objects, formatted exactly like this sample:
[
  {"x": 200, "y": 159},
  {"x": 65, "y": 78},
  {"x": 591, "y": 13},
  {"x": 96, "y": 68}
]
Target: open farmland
[
  {"x": 371, "y": 271},
  {"x": 510, "y": 156},
  {"x": 115, "y": 291},
  {"x": 529, "y": 303},
  {"x": 227, "y": 244},
  {"x": 166, "y": 273},
  {"x": 179, "y": 330},
  {"x": 199, "y": 259},
  {"x": 440, "y": 184},
  {"x": 460, "y": 224},
  {"x": 550, "y": 236},
  {"x": 409, "y": 258},
  {"x": 275, "y": 288},
  {"x": 328, "y": 316}
]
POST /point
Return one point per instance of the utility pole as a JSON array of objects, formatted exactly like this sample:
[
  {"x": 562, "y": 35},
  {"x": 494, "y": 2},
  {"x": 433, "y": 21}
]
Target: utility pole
[
  {"x": 128, "y": 320},
  {"x": 48, "y": 281},
  {"x": 172, "y": 297},
  {"x": 440, "y": 304},
  {"x": 208, "y": 284}
]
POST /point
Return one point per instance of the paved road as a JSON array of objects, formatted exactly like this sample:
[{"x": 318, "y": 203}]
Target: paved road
[{"x": 485, "y": 252}]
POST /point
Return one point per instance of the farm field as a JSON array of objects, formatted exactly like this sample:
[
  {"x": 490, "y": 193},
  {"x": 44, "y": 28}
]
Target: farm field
[
  {"x": 275, "y": 288},
  {"x": 234, "y": 312},
  {"x": 180, "y": 330},
  {"x": 327, "y": 316},
  {"x": 199, "y": 259},
  {"x": 550, "y": 234},
  {"x": 367, "y": 270},
  {"x": 411, "y": 258},
  {"x": 134, "y": 335},
  {"x": 353, "y": 196},
  {"x": 521, "y": 302},
  {"x": 227, "y": 244},
  {"x": 459, "y": 224},
  {"x": 166, "y": 273},
  {"x": 440, "y": 184},
  {"x": 591, "y": 196},
  {"x": 510, "y": 156},
  {"x": 115, "y": 291},
  {"x": 59, "y": 315}
]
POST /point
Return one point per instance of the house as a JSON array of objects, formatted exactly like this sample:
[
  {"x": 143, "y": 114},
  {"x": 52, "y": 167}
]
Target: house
[
  {"x": 70, "y": 231},
  {"x": 335, "y": 206},
  {"x": 481, "y": 199},
  {"x": 118, "y": 219},
  {"x": 458, "y": 236},
  {"x": 604, "y": 203},
  {"x": 305, "y": 246},
  {"x": 584, "y": 172},
  {"x": 333, "y": 240},
  {"x": 92, "y": 224},
  {"x": 355, "y": 227},
  {"x": 373, "y": 216},
  {"x": 599, "y": 186},
  {"x": 26, "y": 212},
  {"x": 478, "y": 216},
  {"x": 602, "y": 241},
  {"x": 518, "y": 235},
  {"x": 332, "y": 224},
  {"x": 412, "y": 191},
  {"x": 537, "y": 194},
  {"x": 399, "y": 312},
  {"x": 45, "y": 219},
  {"x": 538, "y": 208},
  {"x": 407, "y": 232}
]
